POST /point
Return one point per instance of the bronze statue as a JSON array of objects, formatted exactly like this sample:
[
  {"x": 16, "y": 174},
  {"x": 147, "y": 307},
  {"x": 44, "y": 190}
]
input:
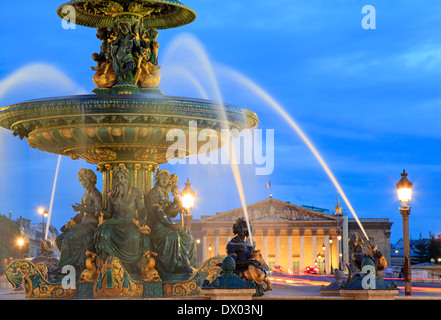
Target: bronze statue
[
  {"x": 147, "y": 266},
  {"x": 77, "y": 234},
  {"x": 176, "y": 248},
  {"x": 104, "y": 76},
  {"x": 124, "y": 233},
  {"x": 123, "y": 49},
  {"x": 358, "y": 255},
  {"x": 93, "y": 266},
  {"x": 249, "y": 262},
  {"x": 46, "y": 257}
]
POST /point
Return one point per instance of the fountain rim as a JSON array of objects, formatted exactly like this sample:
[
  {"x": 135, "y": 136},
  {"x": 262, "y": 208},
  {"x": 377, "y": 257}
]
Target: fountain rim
[
  {"x": 124, "y": 98},
  {"x": 117, "y": 104},
  {"x": 184, "y": 15}
]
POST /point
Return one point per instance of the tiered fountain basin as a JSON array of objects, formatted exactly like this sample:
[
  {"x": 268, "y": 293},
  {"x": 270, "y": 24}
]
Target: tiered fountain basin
[{"x": 102, "y": 128}]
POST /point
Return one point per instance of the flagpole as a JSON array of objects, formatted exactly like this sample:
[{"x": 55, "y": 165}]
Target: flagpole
[{"x": 271, "y": 188}]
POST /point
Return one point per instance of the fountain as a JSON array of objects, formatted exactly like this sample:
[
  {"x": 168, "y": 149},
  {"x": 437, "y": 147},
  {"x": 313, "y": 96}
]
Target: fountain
[{"x": 122, "y": 128}]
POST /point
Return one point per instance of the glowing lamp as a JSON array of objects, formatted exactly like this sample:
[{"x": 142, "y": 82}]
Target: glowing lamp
[
  {"x": 404, "y": 187},
  {"x": 43, "y": 212},
  {"x": 20, "y": 242},
  {"x": 188, "y": 196}
]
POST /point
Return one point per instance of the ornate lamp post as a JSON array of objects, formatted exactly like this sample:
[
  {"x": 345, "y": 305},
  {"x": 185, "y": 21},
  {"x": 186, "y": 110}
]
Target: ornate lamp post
[
  {"x": 340, "y": 254},
  {"x": 318, "y": 263},
  {"x": 44, "y": 213},
  {"x": 404, "y": 187},
  {"x": 330, "y": 244},
  {"x": 188, "y": 197}
]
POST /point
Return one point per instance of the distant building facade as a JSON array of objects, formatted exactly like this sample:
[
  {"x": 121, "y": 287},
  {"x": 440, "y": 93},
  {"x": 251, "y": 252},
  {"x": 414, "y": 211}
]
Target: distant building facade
[{"x": 289, "y": 236}]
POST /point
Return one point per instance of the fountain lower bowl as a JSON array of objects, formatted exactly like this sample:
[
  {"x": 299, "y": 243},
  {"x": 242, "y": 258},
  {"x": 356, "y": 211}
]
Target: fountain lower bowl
[{"x": 101, "y": 128}]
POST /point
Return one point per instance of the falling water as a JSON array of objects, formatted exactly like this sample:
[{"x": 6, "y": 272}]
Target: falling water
[
  {"x": 259, "y": 91},
  {"x": 189, "y": 41},
  {"x": 194, "y": 44},
  {"x": 180, "y": 72},
  {"x": 39, "y": 76},
  {"x": 52, "y": 198}
]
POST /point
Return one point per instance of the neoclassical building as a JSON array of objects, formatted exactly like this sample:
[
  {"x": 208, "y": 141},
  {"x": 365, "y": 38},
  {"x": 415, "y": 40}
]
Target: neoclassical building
[{"x": 290, "y": 236}]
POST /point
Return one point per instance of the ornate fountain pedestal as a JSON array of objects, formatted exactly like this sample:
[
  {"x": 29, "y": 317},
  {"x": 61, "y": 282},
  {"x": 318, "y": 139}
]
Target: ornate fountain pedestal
[
  {"x": 113, "y": 282},
  {"x": 229, "y": 286}
]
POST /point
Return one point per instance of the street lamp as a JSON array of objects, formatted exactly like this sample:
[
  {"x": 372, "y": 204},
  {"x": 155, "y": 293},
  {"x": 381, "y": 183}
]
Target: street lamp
[
  {"x": 188, "y": 196},
  {"x": 20, "y": 243},
  {"x": 340, "y": 253},
  {"x": 44, "y": 213},
  {"x": 404, "y": 187}
]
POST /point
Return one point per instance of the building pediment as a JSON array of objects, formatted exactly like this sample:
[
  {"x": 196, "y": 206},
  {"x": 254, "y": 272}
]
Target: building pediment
[{"x": 272, "y": 210}]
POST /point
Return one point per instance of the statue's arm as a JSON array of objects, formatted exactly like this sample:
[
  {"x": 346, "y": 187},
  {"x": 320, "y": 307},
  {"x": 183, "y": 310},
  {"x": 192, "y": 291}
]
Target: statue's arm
[
  {"x": 164, "y": 218},
  {"x": 108, "y": 213}
]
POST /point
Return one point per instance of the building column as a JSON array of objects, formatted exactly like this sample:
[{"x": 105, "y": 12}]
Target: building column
[
  {"x": 216, "y": 243},
  {"x": 289, "y": 240},
  {"x": 302, "y": 251},
  {"x": 265, "y": 245},
  {"x": 204, "y": 247},
  {"x": 277, "y": 260},
  {"x": 327, "y": 256}
]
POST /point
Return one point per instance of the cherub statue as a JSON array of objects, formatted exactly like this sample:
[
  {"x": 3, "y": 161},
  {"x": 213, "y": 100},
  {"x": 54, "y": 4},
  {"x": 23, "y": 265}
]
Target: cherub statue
[
  {"x": 358, "y": 255},
  {"x": 104, "y": 76},
  {"x": 123, "y": 50}
]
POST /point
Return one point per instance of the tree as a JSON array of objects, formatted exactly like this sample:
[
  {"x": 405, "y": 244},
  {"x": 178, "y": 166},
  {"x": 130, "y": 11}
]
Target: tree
[
  {"x": 421, "y": 248},
  {"x": 435, "y": 247},
  {"x": 9, "y": 235}
]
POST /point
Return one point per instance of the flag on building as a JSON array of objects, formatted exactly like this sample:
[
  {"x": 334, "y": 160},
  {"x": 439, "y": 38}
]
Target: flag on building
[{"x": 268, "y": 185}]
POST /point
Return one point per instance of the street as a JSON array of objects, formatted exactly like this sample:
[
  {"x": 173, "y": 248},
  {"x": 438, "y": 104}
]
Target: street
[
  {"x": 309, "y": 286},
  {"x": 298, "y": 286}
]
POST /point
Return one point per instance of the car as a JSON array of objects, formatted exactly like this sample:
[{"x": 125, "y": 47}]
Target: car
[
  {"x": 312, "y": 270},
  {"x": 281, "y": 271}
]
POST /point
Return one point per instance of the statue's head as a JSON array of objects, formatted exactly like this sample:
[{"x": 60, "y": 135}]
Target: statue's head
[
  {"x": 87, "y": 178},
  {"x": 120, "y": 181},
  {"x": 241, "y": 228},
  {"x": 124, "y": 27},
  {"x": 102, "y": 33},
  {"x": 162, "y": 178},
  {"x": 355, "y": 242}
]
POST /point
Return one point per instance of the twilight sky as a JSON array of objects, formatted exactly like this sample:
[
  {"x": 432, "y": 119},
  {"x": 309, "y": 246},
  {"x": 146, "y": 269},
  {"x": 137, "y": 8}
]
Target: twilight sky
[{"x": 367, "y": 99}]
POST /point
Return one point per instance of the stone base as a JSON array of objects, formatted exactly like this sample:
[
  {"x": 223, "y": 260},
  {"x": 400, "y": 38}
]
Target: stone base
[
  {"x": 370, "y": 294},
  {"x": 152, "y": 289},
  {"x": 229, "y": 294},
  {"x": 85, "y": 290},
  {"x": 185, "y": 285},
  {"x": 328, "y": 292}
]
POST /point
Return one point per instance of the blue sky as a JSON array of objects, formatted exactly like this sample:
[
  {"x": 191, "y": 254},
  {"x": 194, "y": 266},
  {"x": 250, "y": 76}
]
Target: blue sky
[{"x": 368, "y": 100}]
